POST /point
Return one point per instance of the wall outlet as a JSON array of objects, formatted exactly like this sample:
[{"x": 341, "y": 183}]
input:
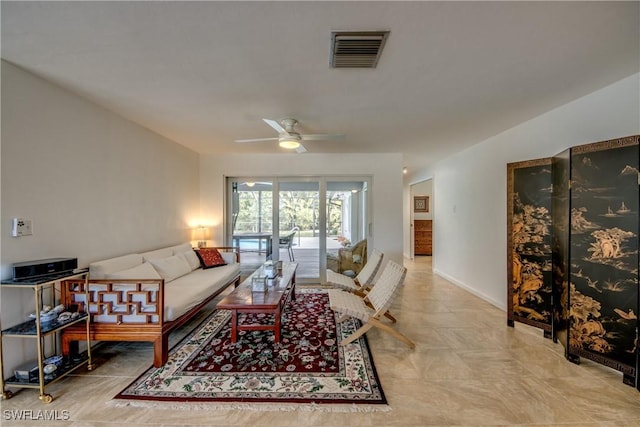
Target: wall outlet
[{"x": 21, "y": 227}]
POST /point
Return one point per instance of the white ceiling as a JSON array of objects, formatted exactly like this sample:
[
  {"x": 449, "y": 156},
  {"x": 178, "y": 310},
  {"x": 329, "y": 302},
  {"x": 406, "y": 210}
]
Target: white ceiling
[{"x": 205, "y": 73}]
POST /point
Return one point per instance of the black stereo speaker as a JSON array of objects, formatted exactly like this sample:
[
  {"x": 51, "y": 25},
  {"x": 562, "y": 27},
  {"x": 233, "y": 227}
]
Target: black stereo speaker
[{"x": 43, "y": 267}]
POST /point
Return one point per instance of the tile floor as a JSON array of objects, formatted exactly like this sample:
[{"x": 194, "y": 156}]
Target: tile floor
[{"x": 468, "y": 369}]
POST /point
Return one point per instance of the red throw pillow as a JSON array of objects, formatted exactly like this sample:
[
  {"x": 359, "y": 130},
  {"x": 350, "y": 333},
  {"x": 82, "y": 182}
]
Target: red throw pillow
[{"x": 210, "y": 258}]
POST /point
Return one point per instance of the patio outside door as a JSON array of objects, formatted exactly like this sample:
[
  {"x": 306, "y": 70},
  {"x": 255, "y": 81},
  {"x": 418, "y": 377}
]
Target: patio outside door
[
  {"x": 299, "y": 226},
  {"x": 314, "y": 216},
  {"x": 250, "y": 218},
  {"x": 347, "y": 207}
]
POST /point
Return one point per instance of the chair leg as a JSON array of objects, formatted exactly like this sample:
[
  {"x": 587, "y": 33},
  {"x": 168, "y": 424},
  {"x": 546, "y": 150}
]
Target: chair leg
[
  {"x": 291, "y": 257},
  {"x": 387, "y": 328},
  {"x": 357, "y": 334},
  {"x": 389, "y": 316}
]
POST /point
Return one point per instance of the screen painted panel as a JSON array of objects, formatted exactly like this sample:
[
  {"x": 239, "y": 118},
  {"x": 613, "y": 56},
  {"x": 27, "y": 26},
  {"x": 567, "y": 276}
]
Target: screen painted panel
[
  {"x": 604, "y": 253},
  {"x": 560, "y": 208},
  {"x": 529, "y": 243}
]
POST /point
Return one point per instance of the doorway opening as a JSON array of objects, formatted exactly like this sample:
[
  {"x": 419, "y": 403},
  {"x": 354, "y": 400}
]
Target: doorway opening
[{"x": 421, "y": 218}]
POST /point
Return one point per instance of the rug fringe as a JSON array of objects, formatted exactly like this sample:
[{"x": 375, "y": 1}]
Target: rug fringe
[{"x": 235, "y": 406}]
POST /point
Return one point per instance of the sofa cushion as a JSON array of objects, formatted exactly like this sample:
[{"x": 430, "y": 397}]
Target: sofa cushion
[
  {"x": 210, "y": 258},
  {"x": 184, "y": 293},
  {"x": 191, "y": 258},
  {"x": 158, "y": 253},
  {"x": 184, "y": 247},
  {"x": 97, "y": 270},
  {"x": 171, "y": 267},
  {"x": 142, "y": 271}
]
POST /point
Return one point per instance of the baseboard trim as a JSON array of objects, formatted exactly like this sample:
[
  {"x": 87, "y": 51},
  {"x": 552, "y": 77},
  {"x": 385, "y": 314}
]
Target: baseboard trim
[{"x": 471, "y": 290}]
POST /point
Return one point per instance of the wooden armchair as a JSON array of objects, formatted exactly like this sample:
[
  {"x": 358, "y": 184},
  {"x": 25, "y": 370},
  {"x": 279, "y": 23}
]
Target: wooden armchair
[{"x": 373, "y": 306}]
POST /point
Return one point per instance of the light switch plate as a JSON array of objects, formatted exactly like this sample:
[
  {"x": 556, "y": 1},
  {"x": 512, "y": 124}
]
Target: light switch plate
[{"x": 21, "y": 227}]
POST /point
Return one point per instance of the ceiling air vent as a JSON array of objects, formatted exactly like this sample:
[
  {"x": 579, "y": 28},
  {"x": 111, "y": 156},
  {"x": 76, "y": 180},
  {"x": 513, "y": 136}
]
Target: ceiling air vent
[{"x": 356, "y": 49}]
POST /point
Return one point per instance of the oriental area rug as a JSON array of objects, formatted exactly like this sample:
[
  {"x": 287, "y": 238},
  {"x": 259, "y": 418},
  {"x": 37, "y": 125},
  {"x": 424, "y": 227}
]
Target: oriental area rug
[{"x": 307, "y": 370}]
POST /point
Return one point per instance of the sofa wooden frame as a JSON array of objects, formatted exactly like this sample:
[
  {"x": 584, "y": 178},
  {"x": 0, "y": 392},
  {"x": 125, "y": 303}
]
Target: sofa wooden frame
[{"x": 146, "y": 325}]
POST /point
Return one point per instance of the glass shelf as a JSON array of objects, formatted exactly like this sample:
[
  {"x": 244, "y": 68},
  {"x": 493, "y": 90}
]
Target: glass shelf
[
  {"x": 67, "y": 365},
  {"x": 28, "y": 328}
]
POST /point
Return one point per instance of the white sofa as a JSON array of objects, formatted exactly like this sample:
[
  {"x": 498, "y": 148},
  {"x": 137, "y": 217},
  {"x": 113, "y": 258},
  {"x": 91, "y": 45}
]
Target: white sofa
[{"x": 145, "y": 296}]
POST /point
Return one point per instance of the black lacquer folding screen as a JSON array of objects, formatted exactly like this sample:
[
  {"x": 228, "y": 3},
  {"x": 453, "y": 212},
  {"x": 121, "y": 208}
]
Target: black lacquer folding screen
[
  {"x": 603, "y": 285},
  {"x": 529, "y": 243},
  {"x": 560, "y": 209},
  {"x": 573, "y": 272}
]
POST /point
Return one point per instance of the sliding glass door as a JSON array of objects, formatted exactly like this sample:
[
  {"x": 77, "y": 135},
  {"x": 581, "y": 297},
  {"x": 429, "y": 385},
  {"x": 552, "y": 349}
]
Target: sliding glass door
[
  {"x": 347, "y": 225},
  {"x": 299, "y": 226},
  {"x": 249, "y": 224},
  {"x": 314, "y": 219}
]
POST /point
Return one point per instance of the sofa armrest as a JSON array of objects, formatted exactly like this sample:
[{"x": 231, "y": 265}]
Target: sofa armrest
[{"x": 132, "y": 301}]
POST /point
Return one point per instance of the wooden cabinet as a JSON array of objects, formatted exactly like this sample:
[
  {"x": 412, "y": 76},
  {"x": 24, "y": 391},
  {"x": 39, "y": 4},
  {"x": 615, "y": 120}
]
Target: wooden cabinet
[{"x": 422, "y": 233}]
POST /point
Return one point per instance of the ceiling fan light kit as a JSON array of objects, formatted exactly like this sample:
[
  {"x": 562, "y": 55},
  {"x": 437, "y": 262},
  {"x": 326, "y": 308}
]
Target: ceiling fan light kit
[
  {"x": 288, "y": 138},
  {"x": 290, "y": 142}
]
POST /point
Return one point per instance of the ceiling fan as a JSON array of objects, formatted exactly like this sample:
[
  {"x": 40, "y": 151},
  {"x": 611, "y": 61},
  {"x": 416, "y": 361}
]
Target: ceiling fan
[{"x": 288, "y": 137}]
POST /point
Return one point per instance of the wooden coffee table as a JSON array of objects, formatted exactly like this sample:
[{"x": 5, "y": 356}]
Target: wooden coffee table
[{"x": 273, "y": 301}]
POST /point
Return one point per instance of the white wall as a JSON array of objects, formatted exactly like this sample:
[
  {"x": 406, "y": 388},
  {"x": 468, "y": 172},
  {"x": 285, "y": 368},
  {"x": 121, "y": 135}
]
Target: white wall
[
  {"x": 470, "y": 187},
  {"x": 386, "y": 170},
  {"x": 94, "y": 185}
]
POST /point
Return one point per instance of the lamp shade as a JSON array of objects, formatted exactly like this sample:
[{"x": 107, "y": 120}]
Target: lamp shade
[{"x": 201, "y": 233}]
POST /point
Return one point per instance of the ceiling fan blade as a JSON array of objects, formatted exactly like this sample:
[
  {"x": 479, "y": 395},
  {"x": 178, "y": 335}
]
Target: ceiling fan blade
[
  {"x": 322, "y": 137},
  {"x": 301, "y": 149},
  {"x": 276, "y": 126},
  {"x": 256, "y": 140}
]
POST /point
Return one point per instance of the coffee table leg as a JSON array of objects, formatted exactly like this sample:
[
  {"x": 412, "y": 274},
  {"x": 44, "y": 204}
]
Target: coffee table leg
[
  {"x": 277, "y": 326},
  {"x": 293, "y": 286},
  {"x": 234, "y": 325}
]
